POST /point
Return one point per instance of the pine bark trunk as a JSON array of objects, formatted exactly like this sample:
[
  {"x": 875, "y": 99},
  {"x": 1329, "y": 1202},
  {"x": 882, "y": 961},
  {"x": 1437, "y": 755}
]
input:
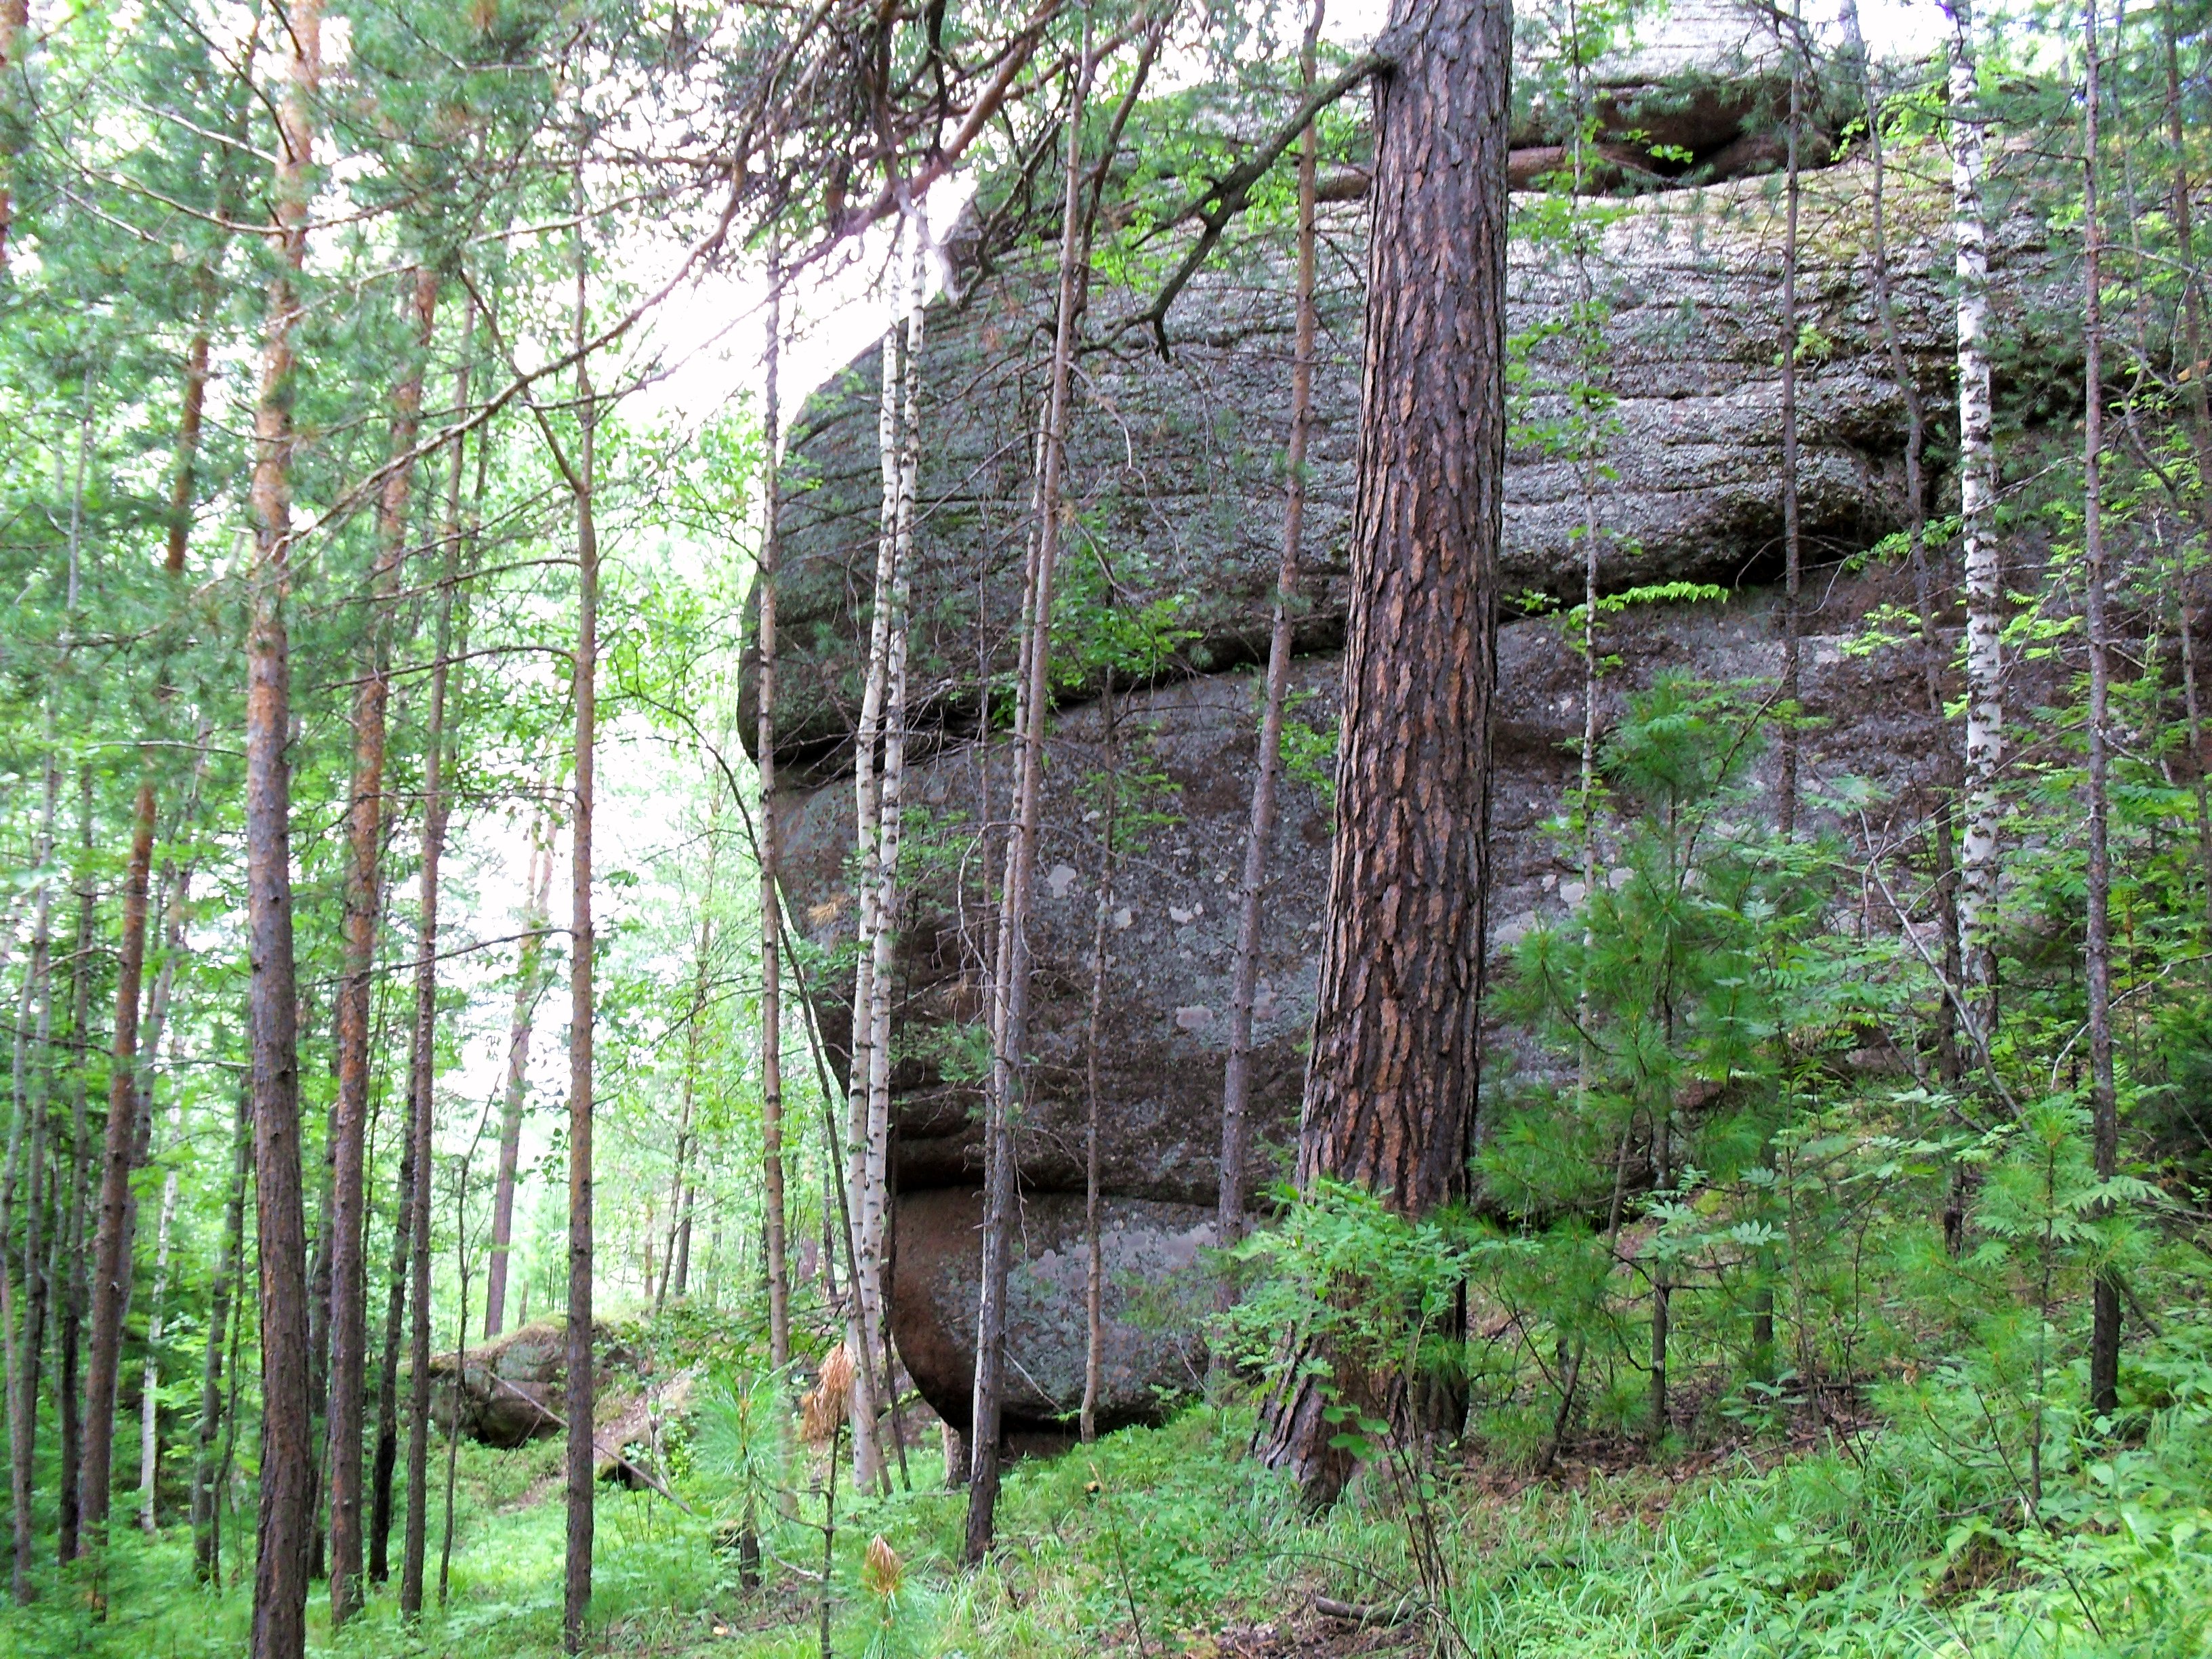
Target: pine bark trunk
[
  {"x": 348, "y": 1321},
  {"x": 111, "y": 1252},
  {"x": 15, "y": 19},
  {"x": 1011, "y": 990},
  {"x": 288, "y": 1456},
  {"x": 385, "y": 1457},
  {"x": 1390, "y": 1092},
  {"x": 207, "y": 1499}
]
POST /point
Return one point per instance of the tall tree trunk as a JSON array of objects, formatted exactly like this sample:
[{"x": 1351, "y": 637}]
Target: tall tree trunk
[
  {"x": 287, "y": 1456},
  {"x": 177, "y": 881},
  {"x": 1984, "y": 751},
  {"x": 2104, "y": 1101},
  {"x": 364, "y": 904},
  {"x": 1793, "y": 550},
  {"x": 460, "y": 1348},
  {"x": 111, "y": 1281},
  {"x": 207, "y": 1497},
  {"x": 771, "y": 904},
  {"x": 529, "y": 985},
  {"x": 149, "y": 1435},
  {"x": 130, "y": 1108},
  {"x": 576, "y": 1590},
  {"x": 15, "y": 19},
  {"x": 385, "y": 1457},
  {"x": 423, "y": 1074},
  {"x": 2198, "y": 401},
  {"x": 871, "y": 1220},
  {"x": 1924, "y": 587},
  {"x": 1011, "y": 990},
  {"x": 1259, "y": 835},
  {"x": 687, "y": 1112},
  {"x": 887, "y": 639},
  {"x": 67, "y": 1264},
  {"x": 2195, "y": 395},
  {"x": 33, "y": 1063},
  {"x": 1390, "y": 1090},
  {"x": 1094, "y": 1258},
  {"x": 1792, "y": 517}
]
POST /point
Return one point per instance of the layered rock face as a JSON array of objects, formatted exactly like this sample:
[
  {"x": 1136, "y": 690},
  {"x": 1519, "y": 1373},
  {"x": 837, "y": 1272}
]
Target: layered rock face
[{"x": 1176, "y": 511}]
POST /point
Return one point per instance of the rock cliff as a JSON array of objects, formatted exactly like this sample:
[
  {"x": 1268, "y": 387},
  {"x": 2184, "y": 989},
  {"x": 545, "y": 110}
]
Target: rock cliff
[{"x": 1177, "y": 505}]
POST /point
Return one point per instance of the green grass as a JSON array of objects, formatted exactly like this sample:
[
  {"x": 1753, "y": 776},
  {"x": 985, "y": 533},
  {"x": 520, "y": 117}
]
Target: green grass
[{"x": 1888, "y": 1545}]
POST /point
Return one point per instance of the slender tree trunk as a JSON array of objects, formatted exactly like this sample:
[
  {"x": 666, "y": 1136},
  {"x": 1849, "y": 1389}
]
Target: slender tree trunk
[
  {"x": 130, "y": 1096},
  {"x": 1094, "y": 1264},
  {"x": 68, "y": 1242},
  {"x": 460, "y": 1352},
  {"x": 892, "y": 806},
  {"x": 1259, "y": 835},
  {"x": 111, "y": 1283},
  {"x": 1010, "y": 1058},
  {"x": 386, "y": 1454},
  {"x": 681, "y": 1269},
  {"x": 886, "y": 638},
  {"x": 771, "y": 905},
  {"x": 2198, "y": 402},
  {"x": 149, "y": 1439},
  {"x": 207, "y": 1498},
  {"x": 288, "y": 1456},
  {"x": 1924, "y": 587},
  {"x": 422, "y": 1081},
  {"x": 1984, "y": 751},
  {"x": 2104, "y": 1104},
  {"x": 32, "y": 1062},
  {"x": 1663, "y": 1288},
  {"x": 529, "y": 985},
  {"x": 15, "y": 19},
  {"x": 1792, "y": 536},
  {"x": 687, "y": 1112},
  {"x": 1793, "y": 547},
  {"x": 1390, "y": 1088},
  {"x": 348, "y": 1321},
  {"x": 576, "y": 1596},
  {"x": 2195, "y": 397}
]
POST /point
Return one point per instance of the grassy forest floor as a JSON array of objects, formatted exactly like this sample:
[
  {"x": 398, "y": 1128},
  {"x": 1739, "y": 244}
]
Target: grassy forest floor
[{"x": 1781, "y": 1539}]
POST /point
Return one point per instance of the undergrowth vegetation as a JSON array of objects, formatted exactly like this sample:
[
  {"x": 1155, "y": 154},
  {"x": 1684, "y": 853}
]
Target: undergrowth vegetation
[{"x": 1908, "y": 1539}]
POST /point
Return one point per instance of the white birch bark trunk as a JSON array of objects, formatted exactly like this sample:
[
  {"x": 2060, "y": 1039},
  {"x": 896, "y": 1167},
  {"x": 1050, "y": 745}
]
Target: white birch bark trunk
[
  {"x": 872, "y": 1217},
  {"x": 862, "y": 1325},
  {"x": 771, "y": 900},
  {"x": 1985, "y": 755},
  {"x": 150, "y": 1382}
]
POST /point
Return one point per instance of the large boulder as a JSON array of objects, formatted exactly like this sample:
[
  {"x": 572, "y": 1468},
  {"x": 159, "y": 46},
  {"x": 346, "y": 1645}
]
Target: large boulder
[
  {"x": 1154, "y": 1302},
  {"x": 1175, "y": 509},
  {"x": 512, "y": 1389},
  {"x": 1175, "y": 468}
]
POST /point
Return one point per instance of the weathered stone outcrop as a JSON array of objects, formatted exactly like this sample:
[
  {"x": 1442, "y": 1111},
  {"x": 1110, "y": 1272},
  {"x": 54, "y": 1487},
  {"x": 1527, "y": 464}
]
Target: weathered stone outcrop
[
  {"x": 1177, "y": 501},
  {"x": 511, "y": 1391}
]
